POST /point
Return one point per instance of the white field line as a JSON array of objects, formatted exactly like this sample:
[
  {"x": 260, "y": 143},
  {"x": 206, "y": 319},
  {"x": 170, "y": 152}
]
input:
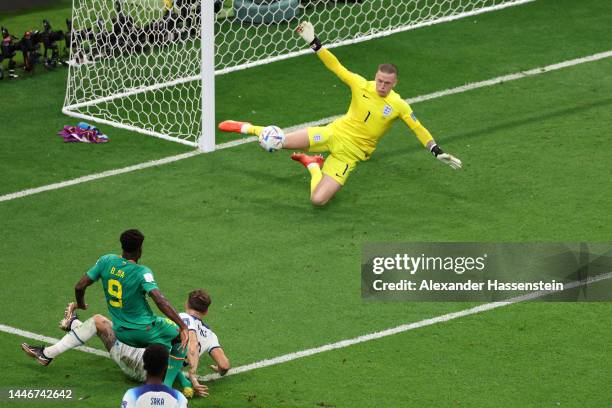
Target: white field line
[
  {"x": 417, "y": 99},
  {"x": 403, "y": 328},
  {"x": 96, "y": 176},
  {"x": 348, "y": 342},
  {"x": 50, "y": 340}
]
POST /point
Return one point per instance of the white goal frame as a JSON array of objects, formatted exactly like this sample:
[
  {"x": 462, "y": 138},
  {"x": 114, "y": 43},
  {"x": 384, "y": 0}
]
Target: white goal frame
[{"x": 206, "y": 139}]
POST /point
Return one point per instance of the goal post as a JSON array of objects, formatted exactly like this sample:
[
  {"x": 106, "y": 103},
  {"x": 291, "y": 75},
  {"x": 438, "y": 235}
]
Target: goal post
[
  {"x": 206, "y": 140},
  {"x": 149, "y": 66},
  {"x": 145, "y": 66}
]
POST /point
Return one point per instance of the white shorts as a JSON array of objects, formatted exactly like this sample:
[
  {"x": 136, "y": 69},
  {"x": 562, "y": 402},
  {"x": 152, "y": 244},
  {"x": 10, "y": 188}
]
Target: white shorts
[{"x": 129, "y": 359}]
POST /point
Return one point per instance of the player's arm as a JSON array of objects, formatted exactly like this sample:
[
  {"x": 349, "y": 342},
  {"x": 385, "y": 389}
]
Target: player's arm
[
  {"x": 91, "y": 276},
  {"x": 166, "y": 308},
  {"x": 306, "y": 31},
  {"x": 427, "y": 139},
  {"x": 194, "y": 387},
  {"x": 222, "y": 365},
  {"x": 79, "y": 291},
  {"x": 193, "y": 358}
]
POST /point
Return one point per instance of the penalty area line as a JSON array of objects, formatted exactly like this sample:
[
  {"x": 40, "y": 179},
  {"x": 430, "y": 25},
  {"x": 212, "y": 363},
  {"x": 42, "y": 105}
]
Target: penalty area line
[
  {"x": 226, "y": 145},
  {"x": 348, "y": 342}
]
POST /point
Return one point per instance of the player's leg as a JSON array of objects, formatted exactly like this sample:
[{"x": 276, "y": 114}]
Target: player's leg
[
  {"x": 129, "y": 360},
  {"x": 245, "y": 128},
  {"x": 165, "y": 331},
  {"x": 104, "y": 330},
  {"x": 322, "y": 186},
  {"x": 294, "y": 140},
  {"x": 328, "y": 178},
  {"x": 324, "y": 191},
  {"x": 175, "y": 364},
  {"x": 313, "y": 164},
  {"x": 297, "y": 140},
  {"x": 327, "y": 175},
  {"x": 78, "y": 334}
]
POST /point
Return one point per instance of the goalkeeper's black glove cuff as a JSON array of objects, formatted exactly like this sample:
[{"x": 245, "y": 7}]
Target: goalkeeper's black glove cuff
[
  {"x": 316, "y": 44},
  {"x": 435, "y": 150}
]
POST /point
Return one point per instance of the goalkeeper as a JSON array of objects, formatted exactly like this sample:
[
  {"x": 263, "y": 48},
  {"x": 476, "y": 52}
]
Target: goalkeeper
[{"x": 353, "y": 137}]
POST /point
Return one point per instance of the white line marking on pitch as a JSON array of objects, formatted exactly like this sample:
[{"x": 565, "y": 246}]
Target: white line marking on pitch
[
  {"x": 348, "y": 342},
  {"x": 403, "y": 328},
  {"x": 96, "y": 176},
  {"x": 417, "y": 99},
  {"x": 50, "y": 340}
]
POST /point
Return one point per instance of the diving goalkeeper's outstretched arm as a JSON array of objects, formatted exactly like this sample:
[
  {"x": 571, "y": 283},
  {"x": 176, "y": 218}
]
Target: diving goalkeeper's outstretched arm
[
  {"x": 426, "y": 139},
  {"x": 306, "y": 31}
]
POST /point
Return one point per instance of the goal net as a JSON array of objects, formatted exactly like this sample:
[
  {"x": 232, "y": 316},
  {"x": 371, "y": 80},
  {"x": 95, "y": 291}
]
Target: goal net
[{"x": 149, "y": 65}]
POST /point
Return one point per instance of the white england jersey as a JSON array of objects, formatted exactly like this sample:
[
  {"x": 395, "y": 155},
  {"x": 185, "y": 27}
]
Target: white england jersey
[
  {"x": 153, "y": 396},
  {"x": 207, "y": 339}
]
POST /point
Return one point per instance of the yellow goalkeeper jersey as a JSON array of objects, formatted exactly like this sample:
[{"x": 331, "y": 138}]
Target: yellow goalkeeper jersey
[{"x": 369, "y": 116}]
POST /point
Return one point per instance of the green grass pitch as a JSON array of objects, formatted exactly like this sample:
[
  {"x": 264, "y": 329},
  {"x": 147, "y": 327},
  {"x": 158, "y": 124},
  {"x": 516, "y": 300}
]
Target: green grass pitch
[{"x": 285, "y": 276}]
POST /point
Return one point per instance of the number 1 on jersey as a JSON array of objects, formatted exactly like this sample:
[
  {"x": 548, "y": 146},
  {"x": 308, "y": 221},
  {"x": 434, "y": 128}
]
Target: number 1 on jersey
[{"x": 115, "y": 290}]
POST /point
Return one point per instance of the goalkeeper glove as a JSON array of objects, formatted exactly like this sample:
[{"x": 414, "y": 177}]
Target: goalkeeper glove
[
  {"x": 306, "y": 31},
  {"x": 445, "y": 158}
]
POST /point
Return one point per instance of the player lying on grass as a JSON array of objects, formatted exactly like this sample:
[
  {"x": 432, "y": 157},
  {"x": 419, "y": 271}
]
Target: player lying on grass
[
  {"x": 351, "y": 138},
  {"x": 201, "y": 340},
  {"x": 125, "y": 284}
]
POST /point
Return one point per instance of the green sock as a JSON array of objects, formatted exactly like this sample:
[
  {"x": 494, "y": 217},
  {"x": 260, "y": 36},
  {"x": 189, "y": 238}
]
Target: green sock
[
  {"x": 185, "y": 385},
  {"x": 175, "y": 364}
]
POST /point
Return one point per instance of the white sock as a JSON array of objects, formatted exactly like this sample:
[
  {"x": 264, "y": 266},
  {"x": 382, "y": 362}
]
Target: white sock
[
  {"x": 77, "y": 337},
  {"x": 244, "y": 129},
  {"x": 313, "y": 164}
]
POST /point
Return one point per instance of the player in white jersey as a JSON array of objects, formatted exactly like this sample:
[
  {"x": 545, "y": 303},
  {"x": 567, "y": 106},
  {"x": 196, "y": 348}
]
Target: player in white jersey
[
  {"x": 201, "y": 340},
  {"x": 130, "y": 359},
  {"x": 154, "y": 393}
]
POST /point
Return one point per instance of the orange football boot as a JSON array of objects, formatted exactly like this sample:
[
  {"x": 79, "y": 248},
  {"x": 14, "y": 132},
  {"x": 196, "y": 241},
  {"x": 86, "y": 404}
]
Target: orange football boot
[
  {"x": 232, "y": 126},
  {"x": 306, "y": 159}
]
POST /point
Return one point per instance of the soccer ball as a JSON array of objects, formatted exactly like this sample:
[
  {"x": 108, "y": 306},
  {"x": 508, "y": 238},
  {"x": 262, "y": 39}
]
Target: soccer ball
[{"x": 271, "y": 138}]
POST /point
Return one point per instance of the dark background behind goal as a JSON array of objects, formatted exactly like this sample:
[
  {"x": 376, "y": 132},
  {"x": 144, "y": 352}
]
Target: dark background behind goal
[{"x": 13, "y": 5}]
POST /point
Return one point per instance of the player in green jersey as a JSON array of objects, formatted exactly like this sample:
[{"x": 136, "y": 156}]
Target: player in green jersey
[{"x": 126, "y": 284}]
